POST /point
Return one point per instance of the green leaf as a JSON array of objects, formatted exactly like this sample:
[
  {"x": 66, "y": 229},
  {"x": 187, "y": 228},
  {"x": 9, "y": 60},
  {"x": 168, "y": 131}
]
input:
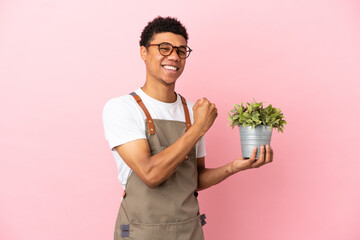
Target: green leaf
[
  {"x": 257, "y": 105},
  {"x": 254, "y": 114},
  {"x": 250, "y": 109},
  {"x": 247, "y": 115}
]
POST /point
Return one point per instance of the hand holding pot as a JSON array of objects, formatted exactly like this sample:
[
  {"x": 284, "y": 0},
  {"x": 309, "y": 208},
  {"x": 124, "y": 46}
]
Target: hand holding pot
[
  {"x": 205, "y": 114},
  {"x": 266, "y": 156}
]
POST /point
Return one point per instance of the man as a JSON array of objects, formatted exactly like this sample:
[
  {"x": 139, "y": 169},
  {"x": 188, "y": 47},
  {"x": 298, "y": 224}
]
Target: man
[{"x": 157, "y": 139}]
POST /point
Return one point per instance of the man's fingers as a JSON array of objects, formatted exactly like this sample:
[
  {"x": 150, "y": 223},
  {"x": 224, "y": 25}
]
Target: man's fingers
[
  {"x": 202, "y": 101},
  {"x": 260, "y": 161},
  {"x": 196, "y": 104},
  {"x": 269, "y": 154},
  {"x": 253, "y": 154}
]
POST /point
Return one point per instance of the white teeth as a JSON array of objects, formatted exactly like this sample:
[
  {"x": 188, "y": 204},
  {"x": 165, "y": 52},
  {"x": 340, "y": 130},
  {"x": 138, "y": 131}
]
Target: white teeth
[{"x": 170, "y": 67}]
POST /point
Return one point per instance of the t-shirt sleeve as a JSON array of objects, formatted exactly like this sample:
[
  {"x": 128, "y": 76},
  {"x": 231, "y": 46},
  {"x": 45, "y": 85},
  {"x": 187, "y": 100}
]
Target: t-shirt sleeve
[
  {"x": 120, "y": 123},
  {"x": 200, "y": 148}
]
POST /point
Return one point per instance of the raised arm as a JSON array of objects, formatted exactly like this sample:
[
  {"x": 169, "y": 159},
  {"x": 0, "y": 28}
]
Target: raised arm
[{"x": 153, "y": 170}]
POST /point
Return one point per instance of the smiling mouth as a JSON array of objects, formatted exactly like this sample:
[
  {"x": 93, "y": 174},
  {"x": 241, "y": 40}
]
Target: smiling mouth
[{"x": 168, "y": 67}]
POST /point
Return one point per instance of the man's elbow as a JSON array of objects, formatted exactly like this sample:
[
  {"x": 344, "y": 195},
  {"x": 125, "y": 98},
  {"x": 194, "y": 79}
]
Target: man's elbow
[
  {"x": 151, "y": 174},
  {"x": 151, "y": 178},
  {"x": 152, "y": 181}
]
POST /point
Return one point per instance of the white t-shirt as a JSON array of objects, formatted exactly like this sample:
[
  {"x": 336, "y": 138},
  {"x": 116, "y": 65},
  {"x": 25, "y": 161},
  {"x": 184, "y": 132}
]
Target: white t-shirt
[{"x": 124, "y": 121}]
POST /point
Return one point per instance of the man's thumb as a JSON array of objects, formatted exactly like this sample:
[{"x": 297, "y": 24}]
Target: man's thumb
[{"x": 198, "y": 102}]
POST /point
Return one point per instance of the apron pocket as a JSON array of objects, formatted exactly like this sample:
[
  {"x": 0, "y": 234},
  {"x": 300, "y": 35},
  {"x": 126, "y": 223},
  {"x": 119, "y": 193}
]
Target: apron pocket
[{"x": 186, "y": 230}]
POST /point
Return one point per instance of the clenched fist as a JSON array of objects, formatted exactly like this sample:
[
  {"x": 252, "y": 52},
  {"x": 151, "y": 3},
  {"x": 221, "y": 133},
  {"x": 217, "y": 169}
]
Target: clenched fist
[{"x": 205, "y": 114}]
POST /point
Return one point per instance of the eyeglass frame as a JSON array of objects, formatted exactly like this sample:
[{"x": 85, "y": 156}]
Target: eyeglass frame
[{"x": 173, "y": 47}]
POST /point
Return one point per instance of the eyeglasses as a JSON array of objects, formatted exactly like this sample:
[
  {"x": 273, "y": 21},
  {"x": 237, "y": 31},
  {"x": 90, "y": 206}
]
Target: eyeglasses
[{"x": 166, "y": 49}]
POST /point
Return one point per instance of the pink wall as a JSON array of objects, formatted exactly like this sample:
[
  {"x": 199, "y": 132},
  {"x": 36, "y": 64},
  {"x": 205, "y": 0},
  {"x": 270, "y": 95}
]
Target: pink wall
[{"x": 60, "y": 61}]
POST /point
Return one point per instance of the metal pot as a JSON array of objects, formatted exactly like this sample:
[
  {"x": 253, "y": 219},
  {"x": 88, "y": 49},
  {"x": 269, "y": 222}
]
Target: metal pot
[{"x": 260, "y": 135}]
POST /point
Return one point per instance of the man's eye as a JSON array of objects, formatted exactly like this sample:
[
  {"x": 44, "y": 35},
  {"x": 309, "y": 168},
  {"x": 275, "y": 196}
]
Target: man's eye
[
  {"x": 182, "y": 51},
  {"x": 165, "y": 48}
]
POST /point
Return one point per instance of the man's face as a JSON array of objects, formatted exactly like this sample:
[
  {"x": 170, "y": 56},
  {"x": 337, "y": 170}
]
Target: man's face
[{"x": 161, "y": 68}]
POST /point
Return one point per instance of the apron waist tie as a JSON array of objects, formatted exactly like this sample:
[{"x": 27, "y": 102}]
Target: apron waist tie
[
  {"x": 202, "y": 219},
  {"x": 125, "y": 230}
]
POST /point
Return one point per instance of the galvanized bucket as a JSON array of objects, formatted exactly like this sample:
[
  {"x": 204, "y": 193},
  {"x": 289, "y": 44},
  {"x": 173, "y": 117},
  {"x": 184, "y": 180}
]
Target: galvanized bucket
[{"x": 260, "y": 135}]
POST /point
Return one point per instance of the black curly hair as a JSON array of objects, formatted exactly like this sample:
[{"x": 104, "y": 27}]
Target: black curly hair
[{"x": 159, "y": 25}]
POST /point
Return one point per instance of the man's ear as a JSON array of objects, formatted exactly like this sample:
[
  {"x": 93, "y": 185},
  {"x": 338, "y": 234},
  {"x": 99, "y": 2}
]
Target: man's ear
[{"x": 143, "y": 53}]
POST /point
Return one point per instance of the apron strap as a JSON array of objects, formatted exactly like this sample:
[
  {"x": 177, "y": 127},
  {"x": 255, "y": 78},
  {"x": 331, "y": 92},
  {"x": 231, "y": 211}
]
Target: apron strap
[
  {"x": 187, "y": 115},
  {"x": 150, "y": 120},
  {"x": 147, "y": 114}
]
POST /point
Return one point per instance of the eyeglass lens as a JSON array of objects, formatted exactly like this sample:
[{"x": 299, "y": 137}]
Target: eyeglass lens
[{"x": 166, "y": 49}]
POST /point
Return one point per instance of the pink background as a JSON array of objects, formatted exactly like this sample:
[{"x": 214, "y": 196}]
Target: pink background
[{"x": 62, "y": 60}]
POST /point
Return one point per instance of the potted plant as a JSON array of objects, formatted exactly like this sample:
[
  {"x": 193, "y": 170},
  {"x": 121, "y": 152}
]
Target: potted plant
[{"x": 255, "y": 124}]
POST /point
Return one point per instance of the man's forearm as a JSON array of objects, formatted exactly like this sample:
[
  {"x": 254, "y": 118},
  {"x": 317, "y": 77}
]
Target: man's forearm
[
  {"x": 211, "y": 176},
  {"x": 165, "y": 163}
]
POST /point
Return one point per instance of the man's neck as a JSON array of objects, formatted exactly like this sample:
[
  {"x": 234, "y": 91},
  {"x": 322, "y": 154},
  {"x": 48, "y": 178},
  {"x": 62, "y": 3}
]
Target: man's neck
[{"x": 161, "y": 93}]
